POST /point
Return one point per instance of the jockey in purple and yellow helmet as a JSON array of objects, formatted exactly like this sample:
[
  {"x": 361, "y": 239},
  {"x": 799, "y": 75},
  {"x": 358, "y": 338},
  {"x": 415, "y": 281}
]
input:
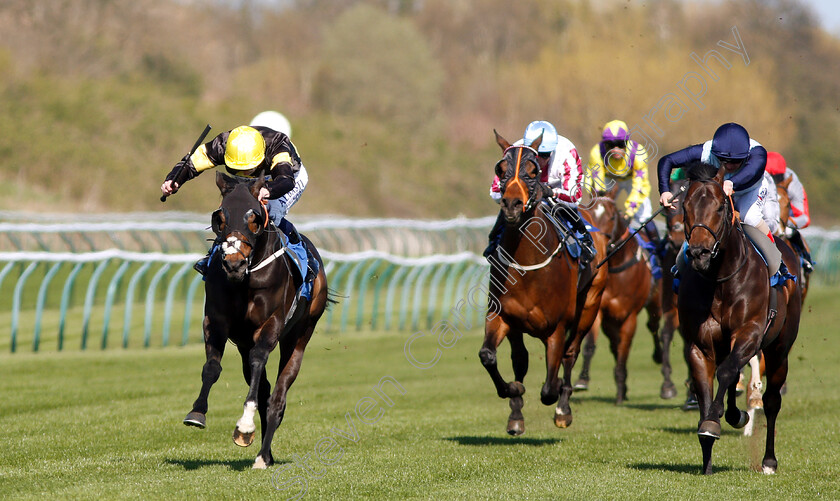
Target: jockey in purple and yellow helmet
[{"x": 619, "y": 159}]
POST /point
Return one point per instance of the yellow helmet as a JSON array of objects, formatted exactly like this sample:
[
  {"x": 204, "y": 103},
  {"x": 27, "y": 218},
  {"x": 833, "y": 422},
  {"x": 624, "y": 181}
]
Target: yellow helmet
[{"x": 245, "y": 148}]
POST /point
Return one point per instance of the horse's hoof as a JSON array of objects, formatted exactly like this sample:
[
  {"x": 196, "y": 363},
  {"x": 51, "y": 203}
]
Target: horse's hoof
[
  {"x": 259, "y": 464},
  {"x": 668, "y": 391},
  {"x": 243, "y": 439},
  {"x": 755, "y": 402},
  {"x": 743, "y": 419},
  {"x": 562, "y": 420},
  {"x": 691, "y": 404},
  {"x": 196, "y": 419},
  {"x": 581, "y": 385},
  {"x": 709, "y": 429},
  {"x": 516, "y": 427},
  {"x": 769, "y": 467}
]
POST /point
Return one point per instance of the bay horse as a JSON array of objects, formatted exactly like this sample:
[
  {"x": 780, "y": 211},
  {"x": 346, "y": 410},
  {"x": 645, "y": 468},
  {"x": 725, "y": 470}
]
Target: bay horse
[
  {"x": 729, "y": 311},
  {"x": 784, "y": 216},
  {"x": 630, "y": 288},
  {"x": 536, "y": 288},
  {"x": 252, "y": 301}
]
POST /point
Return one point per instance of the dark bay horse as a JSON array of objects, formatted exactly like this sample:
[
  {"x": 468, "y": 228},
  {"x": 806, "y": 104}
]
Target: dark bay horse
[
  {"x": 536, "y": 288},
  {"x": 630, "y": 288},
  {"x": 728, "y": 312},
  {"x": 251, "y": 300}
]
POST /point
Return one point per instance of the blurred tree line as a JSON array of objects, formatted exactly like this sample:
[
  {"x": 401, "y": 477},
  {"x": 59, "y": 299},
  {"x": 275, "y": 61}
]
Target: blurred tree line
[{"x": 393, "y": 102}]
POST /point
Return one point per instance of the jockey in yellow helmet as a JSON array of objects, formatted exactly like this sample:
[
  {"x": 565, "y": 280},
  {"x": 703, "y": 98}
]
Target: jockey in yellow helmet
[{"x": 252, "y": 152}]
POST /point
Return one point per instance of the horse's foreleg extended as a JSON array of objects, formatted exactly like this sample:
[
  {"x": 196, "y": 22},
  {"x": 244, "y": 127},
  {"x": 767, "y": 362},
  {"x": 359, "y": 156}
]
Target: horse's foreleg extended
[
  {"x": 563, "y": 411},
  {"x": 266, "y": 339},
  {"x": 620, "y": 340},
  {"x": 494, "y": 331},
  {"x": 589, "y": 344},
  {"x": 214, "y": 348},
  {"x": 291, "y": 357},
  {"x": 519, "y": 359},
  {"x": 702, "y": 369},
  {"x": 777, "y": 369}
]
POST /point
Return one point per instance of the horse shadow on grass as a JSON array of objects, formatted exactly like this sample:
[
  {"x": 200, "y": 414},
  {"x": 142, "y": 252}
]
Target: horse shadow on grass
[
  {"x": 233, "y": 464},
  {"x": 688, "y": 469},
  {"x": 490, "y": 440},
  {"x": 627, "y": 403}
]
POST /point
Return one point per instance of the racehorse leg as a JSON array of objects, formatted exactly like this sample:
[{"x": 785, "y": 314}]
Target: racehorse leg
[
  {"x": 662, "y": 340},
  {"x": 494, "y": 331},
  {"x": 214, "y": 347},
  {"x": 553, "y": 356},
  {"x": 772, "y": 404},
  {"x": 519, "y": 359},
  {"x": 582, "y": 383},
  {"x": 264, "y": 387},
  {"x": 291, "y": 357},
  {"x": 620, "y": 340},
  {"x": 702, "y": 375},
  {"x": 266, "y": 339},
  {"x": 563, "y": 412}
]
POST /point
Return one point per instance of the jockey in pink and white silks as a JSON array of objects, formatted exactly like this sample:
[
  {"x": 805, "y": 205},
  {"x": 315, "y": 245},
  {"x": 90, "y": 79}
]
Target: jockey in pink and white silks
[{"x": 561, "y": 169}]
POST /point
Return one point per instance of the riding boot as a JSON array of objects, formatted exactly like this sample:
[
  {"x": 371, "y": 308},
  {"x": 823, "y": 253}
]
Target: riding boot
[
  {"x": 289, "y": 230},
  {"x": 657, "y": 249},
  {"x": 799, "y": 245},
  {"x": 201, "y": 265},
  {"x": 587, "y": 251},
  {"x": 495, "y": 235}
]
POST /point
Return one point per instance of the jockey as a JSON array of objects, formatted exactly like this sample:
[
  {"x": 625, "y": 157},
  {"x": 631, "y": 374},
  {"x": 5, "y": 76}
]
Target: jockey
[
  {"x": 623, "y": 161},
  {"x": 744, "y": 160},
  {"x": 800, "y": 216},
  {"x": 249, "y": 152},
  {"x": 560, "y": 168}
]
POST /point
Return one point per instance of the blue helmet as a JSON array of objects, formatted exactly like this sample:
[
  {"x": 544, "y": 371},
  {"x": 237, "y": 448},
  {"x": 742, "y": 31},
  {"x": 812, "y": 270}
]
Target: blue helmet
[
  {"x": 549, "y": 134},
  {"x": 731, "y": 141}
]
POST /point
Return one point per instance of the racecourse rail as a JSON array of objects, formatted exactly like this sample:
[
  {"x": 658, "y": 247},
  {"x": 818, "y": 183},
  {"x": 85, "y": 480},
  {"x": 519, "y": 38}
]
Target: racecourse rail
[{"x": 129, "y": 282}]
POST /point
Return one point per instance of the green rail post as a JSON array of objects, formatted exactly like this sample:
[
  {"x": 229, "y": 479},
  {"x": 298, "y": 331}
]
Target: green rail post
[
  {"x": 65, "y": 301},
  {"x": 150, "y": 303},
  {"x": 90, "y": 295},
  {"x": 170, "y": 297},
  {"x": 109, "y": 300},
  {"x": 16, "y": 300},
  {"x": 41, "y": 301},
  {"x": 188, "y": 308},
  {"x": 129, "y": 300}
]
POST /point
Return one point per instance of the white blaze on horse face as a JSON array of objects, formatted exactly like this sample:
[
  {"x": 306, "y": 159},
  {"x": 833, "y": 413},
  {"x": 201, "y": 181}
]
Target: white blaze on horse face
[
  {"x": 246, "y": 422},
  {"x": 599, "y": 211},
  {"x": 231, "y": 246}
]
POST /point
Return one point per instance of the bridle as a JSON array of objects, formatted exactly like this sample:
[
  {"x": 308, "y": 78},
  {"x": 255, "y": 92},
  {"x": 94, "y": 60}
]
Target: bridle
[
  {"x": 722, "y": 232},
  {"x": 533, "y": 194}
]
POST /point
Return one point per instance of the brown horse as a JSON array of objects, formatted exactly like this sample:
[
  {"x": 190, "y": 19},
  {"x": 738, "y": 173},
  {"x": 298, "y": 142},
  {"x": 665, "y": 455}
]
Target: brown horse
[
  {"x": 784, "y": 216},
  {"x": 630, "y": 288},
  {"x": 729, "y": 311},
  {"x": 536, "y": 287},
  {"x": 251, "y": 300}
]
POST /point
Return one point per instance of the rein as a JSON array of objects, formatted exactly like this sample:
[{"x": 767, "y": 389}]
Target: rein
[{"x": 718, "y": 235}]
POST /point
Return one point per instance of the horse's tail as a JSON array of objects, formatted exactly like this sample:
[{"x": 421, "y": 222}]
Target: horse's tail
[{"x": 332, "y": 295}]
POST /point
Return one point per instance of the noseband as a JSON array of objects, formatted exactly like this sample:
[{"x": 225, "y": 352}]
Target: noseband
[{"x": 718, "y": 235}]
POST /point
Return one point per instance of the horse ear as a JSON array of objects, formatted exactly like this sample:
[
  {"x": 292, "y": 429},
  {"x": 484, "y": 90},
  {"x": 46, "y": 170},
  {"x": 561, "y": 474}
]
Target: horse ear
[
  {"x": 502, "y": 142},
  {"x": 786, "y": 183},
  {"x": 720, "y": 173},
  {"x": 221, "y": 181},
  {"x": 536, "y": 143},
  {"x": 256, "y": 187}
]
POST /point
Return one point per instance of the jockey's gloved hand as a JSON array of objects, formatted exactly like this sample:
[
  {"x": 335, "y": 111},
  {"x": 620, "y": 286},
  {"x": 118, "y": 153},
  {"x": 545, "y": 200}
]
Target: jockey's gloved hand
[{"x": 547, "y": 191}]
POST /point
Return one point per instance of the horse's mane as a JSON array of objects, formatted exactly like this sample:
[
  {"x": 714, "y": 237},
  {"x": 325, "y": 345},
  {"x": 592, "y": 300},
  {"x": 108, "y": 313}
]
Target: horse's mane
[{"x": 700, "y": 171}]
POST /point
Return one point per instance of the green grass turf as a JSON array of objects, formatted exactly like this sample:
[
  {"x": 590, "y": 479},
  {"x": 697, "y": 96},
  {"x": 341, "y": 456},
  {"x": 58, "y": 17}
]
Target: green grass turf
[{"x": 93, "y": 425}]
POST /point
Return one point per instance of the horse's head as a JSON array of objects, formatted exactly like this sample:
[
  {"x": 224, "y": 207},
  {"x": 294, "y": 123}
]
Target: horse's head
[
  {"x": 238, "y": 223},
  {"x": 708, "y": 215},
  {"x": 784, "y": 200},
  {"x": 674, "y": 219},
  {"x": 519, "y": 179},
  {"x": 607, "y": 218}
]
